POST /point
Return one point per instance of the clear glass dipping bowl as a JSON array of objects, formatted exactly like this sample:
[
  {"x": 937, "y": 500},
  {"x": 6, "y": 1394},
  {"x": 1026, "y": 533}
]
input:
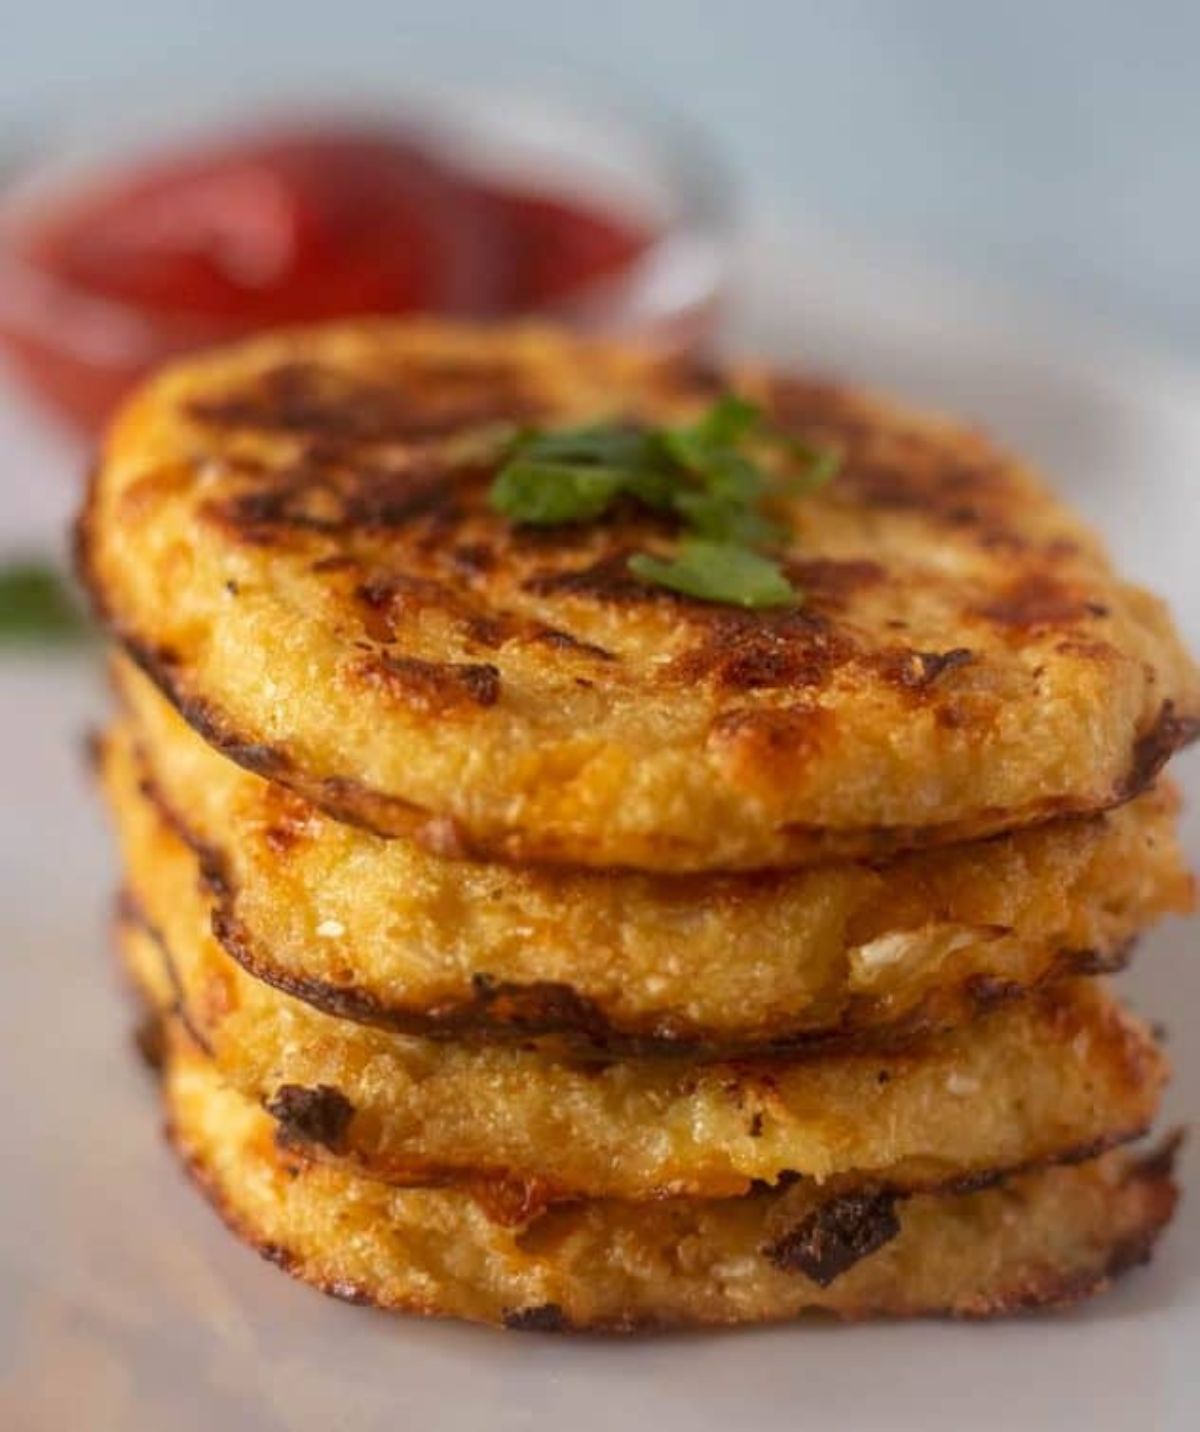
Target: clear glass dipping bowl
[{"x": 78, "y": 351}]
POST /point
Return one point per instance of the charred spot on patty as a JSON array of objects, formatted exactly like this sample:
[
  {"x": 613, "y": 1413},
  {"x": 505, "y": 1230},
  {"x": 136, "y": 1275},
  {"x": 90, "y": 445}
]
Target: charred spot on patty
[
  {"x": 918, "y": 670},
  {"x": 150, "y": 1040},
  {"x": 987, "y": 991},
  {"x": 837, "y": 1236},
  {"x": 830, "y": 583},
  {"x": 320, "y": 1115},
  {"x": 316, "y": 401},
  {"x": 606, "y": 579},
  {"x": 1155, "y": 747},
  {"x": 1037, "y": 599},
  {"x": 739, "y": 651},
  {"x": 438, "y": 687},
  {"x": 542, "y": 1318}
]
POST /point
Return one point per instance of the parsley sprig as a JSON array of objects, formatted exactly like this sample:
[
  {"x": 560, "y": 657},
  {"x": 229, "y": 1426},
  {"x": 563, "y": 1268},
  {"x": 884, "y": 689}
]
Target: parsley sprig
[{"x": 708, "y": 474}]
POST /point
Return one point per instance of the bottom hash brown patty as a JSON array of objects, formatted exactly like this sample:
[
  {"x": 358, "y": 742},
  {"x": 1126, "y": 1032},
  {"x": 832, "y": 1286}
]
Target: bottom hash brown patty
[
  {"x": 1062, "y": 1072},
  {"x": 1041, "y": 1239}
]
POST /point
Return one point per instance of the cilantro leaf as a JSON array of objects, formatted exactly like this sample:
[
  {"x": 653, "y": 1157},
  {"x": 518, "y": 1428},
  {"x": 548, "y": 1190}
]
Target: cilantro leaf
[
  {"x": 718, "y": 572},
  {"x": 730, "y": 419},
  {"x": 551, "y": 494},
  {"x": 696, "y": 446},
  {"x": 35, "y": 606},
  {"x": 710, "y": 516}
]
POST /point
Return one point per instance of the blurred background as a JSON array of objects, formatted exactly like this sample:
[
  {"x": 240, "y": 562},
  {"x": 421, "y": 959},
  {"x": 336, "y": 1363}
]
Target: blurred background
[
  {"x": 995, "y": 209},
  {"x": 1048, "y": 147}
]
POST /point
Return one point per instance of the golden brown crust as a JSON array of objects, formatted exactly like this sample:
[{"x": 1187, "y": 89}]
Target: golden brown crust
[
  {"x": 384, "y": 933},
  {"x": 1044, "y": 1240},
  {"x": 345, "y": 615},
  {"x": 1061, "y": 1074}
]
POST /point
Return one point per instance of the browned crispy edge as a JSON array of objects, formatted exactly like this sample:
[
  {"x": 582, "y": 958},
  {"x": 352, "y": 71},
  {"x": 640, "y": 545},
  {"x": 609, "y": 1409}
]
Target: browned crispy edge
[
  {"x": 512, "y": 1196},
  {"x": 352, "y": 802},
  {"x": 506, "y": 1011},
  {"x": 1155, "y": 1170}
]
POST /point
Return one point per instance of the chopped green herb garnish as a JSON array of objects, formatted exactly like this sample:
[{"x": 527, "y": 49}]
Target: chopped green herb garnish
[
  {"x": 718, "y": 572},
  {"x": 549, "y": 494},
  {"x": 707, "y": 474},
  {"x": 35, "y": 605}
]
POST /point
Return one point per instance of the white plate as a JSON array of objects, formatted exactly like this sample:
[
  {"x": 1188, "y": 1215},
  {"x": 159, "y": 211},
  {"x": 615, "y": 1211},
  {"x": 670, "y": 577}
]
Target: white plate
[{"x": 125, "y": 1308}]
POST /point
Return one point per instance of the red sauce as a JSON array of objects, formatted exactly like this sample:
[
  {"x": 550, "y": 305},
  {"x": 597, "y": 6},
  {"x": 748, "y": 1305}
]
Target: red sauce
[{"x": 287, "y": 227}]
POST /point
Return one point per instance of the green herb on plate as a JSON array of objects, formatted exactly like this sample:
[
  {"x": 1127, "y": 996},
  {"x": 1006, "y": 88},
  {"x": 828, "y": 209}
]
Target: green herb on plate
[{"x": 36, "y": 606}]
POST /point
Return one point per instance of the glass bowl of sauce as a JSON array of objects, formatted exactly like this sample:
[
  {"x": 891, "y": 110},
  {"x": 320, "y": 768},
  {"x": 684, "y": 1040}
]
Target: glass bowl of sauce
[{"x": 117, "y": 253}]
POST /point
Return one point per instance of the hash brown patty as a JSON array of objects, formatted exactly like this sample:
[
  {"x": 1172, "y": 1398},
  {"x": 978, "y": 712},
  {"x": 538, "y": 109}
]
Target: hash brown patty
[
  {"x": 1043, "y": 1239},
  {"x": 292, "y": 536},
  {"x": 385, "y": 932}
]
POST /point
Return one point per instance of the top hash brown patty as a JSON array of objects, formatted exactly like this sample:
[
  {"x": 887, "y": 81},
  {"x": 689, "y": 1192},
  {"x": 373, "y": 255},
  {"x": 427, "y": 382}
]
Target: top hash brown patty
[{"x": 293, "y": 538}]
